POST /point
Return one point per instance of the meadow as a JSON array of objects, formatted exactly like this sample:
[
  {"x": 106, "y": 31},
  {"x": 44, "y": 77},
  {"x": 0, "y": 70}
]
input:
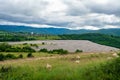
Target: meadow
[
  {"x": 77, "y": 66},
  {"x": 19, "y": 61}
]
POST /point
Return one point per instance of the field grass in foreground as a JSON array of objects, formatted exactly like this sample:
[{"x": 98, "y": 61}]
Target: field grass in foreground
[{"x": 64, "y": 67}]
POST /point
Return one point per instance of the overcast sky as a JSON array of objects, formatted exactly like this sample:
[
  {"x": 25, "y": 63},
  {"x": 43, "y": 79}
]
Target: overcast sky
[{"x": 71, "y": 14}]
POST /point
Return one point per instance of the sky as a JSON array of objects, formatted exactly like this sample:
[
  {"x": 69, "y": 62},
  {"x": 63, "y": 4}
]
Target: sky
[{"x": 70, "y": 14}]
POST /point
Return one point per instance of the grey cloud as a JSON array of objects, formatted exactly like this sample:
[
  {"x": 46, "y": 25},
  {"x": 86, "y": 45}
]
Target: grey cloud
[
  {"x": 21, "y": 19},
  {"x": 110, "y": 7},
  {"x": 62, "y": 13},
  {"x": 76, "y": 8}
]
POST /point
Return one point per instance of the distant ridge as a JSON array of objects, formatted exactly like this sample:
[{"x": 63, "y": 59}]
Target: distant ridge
[{"x": 57, "y": 31}]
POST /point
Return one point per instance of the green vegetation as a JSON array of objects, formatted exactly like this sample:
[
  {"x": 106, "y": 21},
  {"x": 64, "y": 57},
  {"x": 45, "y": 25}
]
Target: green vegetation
[
  {"x": 9, "y": 56},
  {"x": 78, "y": 51},
  {"x": 26, "y": 44},
  {"x": 11, "y": 36},
  {"x": 43, "y": 50},
  {"x": 30, "y": 55},
  {"x": 20, "y": 56},
  {"x": 2, "y": 57},
  {"x": 108, "y": 71},
  {"x": 103, "y": 39},
  {"x": 58, "y": 51},
  {"x": 25, "y": 54},
  {"x": 54, "y": 51},
  {"x": 64, "y": 67},
  {"x": 5, "y": 47},
  {"x": 23, "y": 36}
]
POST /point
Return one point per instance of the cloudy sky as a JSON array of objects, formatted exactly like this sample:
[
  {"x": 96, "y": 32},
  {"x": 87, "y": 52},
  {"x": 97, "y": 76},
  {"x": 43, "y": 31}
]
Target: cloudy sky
[{"x": 71, "y": 14}]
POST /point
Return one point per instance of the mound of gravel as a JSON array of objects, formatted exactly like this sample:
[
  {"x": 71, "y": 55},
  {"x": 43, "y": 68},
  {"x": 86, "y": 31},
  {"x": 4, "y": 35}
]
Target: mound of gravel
[{"x": 71, "y": 45}]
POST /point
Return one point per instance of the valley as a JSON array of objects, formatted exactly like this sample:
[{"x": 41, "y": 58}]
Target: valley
[{"x": 59, "y": 40}]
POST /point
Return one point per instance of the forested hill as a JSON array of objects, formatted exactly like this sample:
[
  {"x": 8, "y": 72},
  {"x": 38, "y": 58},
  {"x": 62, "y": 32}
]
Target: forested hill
[
  {"x": 23, "y": 36},
  {"x": 57, "y": 31},
  {"x": 103, "y": 39}
]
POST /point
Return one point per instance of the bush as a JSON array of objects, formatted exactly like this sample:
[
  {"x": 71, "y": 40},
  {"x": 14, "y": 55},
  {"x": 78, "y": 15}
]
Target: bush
[
  {"x": 25, "y": 43},
  {"x": 108, "y": 71},
  {"x": 30, "y": 55},
  {"x": 43, "y": 43},
  {"x": 4, "y": 46},
  {"x": 112, "y": 70},
  {"x": 2, "y": 57},
  {"x": 54, "y": 51},
  {"x": 58, "y": 51},
  {"x": 43, "y": 50},
  {"x": 78, "y": 51},
  {"x": 5, "y": 69},
  {"x": 20, "y": 56},
  {"x": 27, "y": 49},
  {"x": 118, "y": 53},
  {"x": 10, "y": 56},
  {"x": 34, "y": 45}
]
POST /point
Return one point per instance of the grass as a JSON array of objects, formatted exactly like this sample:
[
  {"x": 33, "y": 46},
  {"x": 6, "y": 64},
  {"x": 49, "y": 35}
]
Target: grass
[
  {"x": 63, "y": 67},
  {"x": 36, "y": 54}
]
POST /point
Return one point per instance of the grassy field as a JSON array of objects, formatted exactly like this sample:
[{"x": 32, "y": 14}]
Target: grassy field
[
  {"x": 36, "y": 54},
  {"x": 63, "y": 67}
]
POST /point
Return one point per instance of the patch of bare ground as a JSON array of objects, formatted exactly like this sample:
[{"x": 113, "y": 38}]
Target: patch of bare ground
[{"x": 70, "y": 45}]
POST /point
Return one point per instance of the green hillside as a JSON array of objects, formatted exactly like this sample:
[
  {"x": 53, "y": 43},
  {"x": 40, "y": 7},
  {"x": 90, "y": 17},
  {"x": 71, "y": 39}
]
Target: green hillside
[
  {"x": 103, "y": 39},
  {"x": 23, "y": 36}
]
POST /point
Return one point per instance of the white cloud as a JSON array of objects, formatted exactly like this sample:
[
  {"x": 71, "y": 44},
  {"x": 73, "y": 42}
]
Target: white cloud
[
  {"x": 71, "y": 14},
  {"x": 110, "y": 26}
]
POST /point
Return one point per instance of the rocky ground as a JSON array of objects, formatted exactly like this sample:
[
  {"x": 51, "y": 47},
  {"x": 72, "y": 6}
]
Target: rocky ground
[{"x": 70, "y": 45}]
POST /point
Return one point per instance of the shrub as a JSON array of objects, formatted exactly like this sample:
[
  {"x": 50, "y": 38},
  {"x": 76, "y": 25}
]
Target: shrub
[
  {"x": 2, "y": 57},
  {"x": 61, "y": 51},
  {"x": 78, "y": 51},
  {"x": 4, "y": 46},
  {"x": 54, "y": 51},
  {"x": 20, "y": 56},
  {"x": 34, "y": 45},
  {"x": 30, "y": 55},
  {"x": 111, "y": 70},
  {"x": 5, "y": 69},
  {"x": 25, "y": 43},
  {"x": 118, "y": 53},
  {"x": 58, "y": 51},
  {"x": 10, "y": 56},
  {"x": 43, "y": 43},
  {"x": 43, "y": 50},
  {"x": 27, "y": 49},
  {"x": 107, "y": 71}
]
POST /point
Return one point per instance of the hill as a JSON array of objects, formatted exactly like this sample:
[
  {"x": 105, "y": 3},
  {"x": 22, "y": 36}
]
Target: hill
[
  {"x": 24, "y": 36},
  {"x": 103, "y": 39},
  {"x": 57, "y": 31}
]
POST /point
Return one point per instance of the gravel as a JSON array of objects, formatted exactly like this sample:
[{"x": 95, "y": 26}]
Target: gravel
[{"x": 70, "y": 45}]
